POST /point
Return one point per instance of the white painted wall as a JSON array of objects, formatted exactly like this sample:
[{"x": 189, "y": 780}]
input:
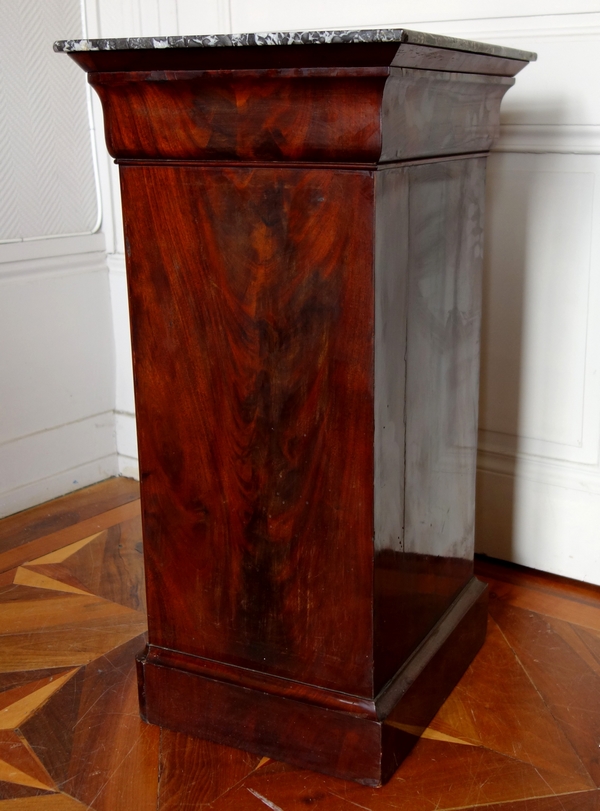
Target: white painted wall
[
  {"x": 56, "y": 340},
  {"x": 539, "y": 464}
]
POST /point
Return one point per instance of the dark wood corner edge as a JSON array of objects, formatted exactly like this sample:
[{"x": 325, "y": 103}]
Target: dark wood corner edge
[
  {"x": 468, "y": 611},
  {"x": 345, "y": 736}
]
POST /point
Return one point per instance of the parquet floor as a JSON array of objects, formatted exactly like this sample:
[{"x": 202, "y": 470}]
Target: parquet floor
[{"x": 521, "y": 732}]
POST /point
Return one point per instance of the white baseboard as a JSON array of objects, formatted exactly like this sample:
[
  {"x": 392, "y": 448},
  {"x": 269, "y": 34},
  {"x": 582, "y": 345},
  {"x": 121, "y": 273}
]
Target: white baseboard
[
  {"x": 67, "y": 481},
  {"x": 129, "y": 467},
  {"x": 126, "y": 435},
  {"x": 127, "y": 445},
  {"x": 50, "y": 463},
  {"x": 539, "y": 522}
]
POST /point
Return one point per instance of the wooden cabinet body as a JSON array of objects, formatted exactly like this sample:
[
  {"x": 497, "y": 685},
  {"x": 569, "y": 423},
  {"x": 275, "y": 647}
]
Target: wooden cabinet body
[{"x": 304, "y": 230}]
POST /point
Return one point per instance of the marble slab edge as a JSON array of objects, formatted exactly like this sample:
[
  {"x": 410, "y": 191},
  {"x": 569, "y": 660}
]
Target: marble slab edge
[{"x": 375, "y": 35}]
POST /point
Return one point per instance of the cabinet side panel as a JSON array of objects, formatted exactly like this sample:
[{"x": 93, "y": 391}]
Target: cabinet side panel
[
  {"x": 429, "y": 112},
  {"x": 417, "y": 579},
  {"x": 444, "y": 318},
  {"x": 391, "y": 266},
  {"x": 392, "y": 612},
  {"x": 252, "y": 320}
]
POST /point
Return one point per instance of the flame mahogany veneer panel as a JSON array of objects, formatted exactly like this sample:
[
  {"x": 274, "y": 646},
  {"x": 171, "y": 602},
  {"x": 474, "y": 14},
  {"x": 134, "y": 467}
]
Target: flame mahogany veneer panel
[
  {"x": 220, "y": 116},
  {"x": 343, "y": 114},
  {"x": 252, "y": 297}
]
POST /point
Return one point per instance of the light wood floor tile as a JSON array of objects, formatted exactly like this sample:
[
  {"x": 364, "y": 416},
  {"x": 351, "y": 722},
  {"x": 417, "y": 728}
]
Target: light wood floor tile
[
  {"x": 25, "y": 576},
  {"x": 67, "y": 511},
  {"x": 19, "y": 764},
  {"x": 59, "y": 555},
  {"x": 57, "y": 540},
  {"x": 54, "y": 802},
  {"x": 195, "y": 772},
  {"x": 53, "y": 629},
  {"x": 15, "y": 714}
]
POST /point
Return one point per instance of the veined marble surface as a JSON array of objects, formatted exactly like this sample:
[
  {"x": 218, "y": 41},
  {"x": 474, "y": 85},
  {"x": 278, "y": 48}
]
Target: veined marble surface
[{"x": 399, "y": 35}]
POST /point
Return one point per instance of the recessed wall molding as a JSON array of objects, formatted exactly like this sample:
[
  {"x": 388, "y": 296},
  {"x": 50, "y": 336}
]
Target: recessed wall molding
[
  {"x": 270, "y": 15},
  {"x": 548, "y": 138},
  {"x": 584, "y": 25},
  {"x": 553, "y": 472},
  {"x": 47, "y": 247},
  {"x": 540, "y": 392},
  {"x": 127, "y": 449},
  {"x": 66, "y": 265},
  {"x": 550, "y": 526}
]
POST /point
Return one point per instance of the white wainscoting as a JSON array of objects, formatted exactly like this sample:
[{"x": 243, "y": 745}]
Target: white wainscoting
[
  {"x": 538, "y": 497},
  {"x": 124, "y": 399},
  {"x": 289, "y": 15},
  {"x": 539, "y": 478},
  {"x": 540, "y": 392},
  {"x": 146, "y": 18},
  {"x": 57, "y": 422},
  {"x": 57, "y": 426}
]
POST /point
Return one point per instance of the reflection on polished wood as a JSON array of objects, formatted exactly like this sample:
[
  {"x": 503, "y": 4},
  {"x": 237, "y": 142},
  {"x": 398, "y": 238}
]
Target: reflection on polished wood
[{"x": 520, "y": 732}]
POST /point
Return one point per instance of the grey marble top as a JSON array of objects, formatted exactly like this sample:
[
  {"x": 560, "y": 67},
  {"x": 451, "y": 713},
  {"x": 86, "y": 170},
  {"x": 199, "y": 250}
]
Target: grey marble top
[{"x": 398, "y": 35}]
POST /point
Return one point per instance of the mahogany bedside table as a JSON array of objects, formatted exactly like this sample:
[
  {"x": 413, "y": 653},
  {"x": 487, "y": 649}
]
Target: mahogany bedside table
[{"x": 304, "y": 223}]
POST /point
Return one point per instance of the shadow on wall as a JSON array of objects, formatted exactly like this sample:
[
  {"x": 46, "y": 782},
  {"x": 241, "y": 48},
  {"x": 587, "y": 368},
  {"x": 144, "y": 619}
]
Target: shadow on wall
[
  {"x": 534, "y": 397},
  {"x": 514, "y": 259},
  {"x": 501, "y": 356}
]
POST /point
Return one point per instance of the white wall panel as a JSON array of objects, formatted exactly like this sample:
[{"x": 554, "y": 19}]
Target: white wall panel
[
  {"x": 46, "y": 162},
  {"x": 55, "y": 329},
  {"x": 276, "y": 15},
  {"x": 127, "y": 445},
  {"x": 530, "y": 521},
  {"x": 132, "y": 18},
  {"x": 200, "y": 18},
  {"x": 541, "y": 353},
  {"x": 124, "y": 400},
  {"x": 56, "y": 366},
  {"x": 57, "y": 402},
  {"x": 64, "y": 458},
  {"x": 557, "y": 90}
]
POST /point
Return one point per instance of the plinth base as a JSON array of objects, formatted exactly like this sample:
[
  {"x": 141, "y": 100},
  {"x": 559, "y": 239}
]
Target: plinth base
[{"x": 346, "y": 736}]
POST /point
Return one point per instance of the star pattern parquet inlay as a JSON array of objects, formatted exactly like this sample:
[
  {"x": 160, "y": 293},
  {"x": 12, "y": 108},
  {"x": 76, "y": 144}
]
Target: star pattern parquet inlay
[{"x": 521, "y": 731}]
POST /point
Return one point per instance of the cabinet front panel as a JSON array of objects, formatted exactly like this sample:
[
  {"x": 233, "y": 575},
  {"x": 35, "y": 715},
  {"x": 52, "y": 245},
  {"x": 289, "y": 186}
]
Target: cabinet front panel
[{"x": 251, "y": 300}]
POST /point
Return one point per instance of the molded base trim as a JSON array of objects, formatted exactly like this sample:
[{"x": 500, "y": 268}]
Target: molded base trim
[{"x": 303, "y": 728}]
